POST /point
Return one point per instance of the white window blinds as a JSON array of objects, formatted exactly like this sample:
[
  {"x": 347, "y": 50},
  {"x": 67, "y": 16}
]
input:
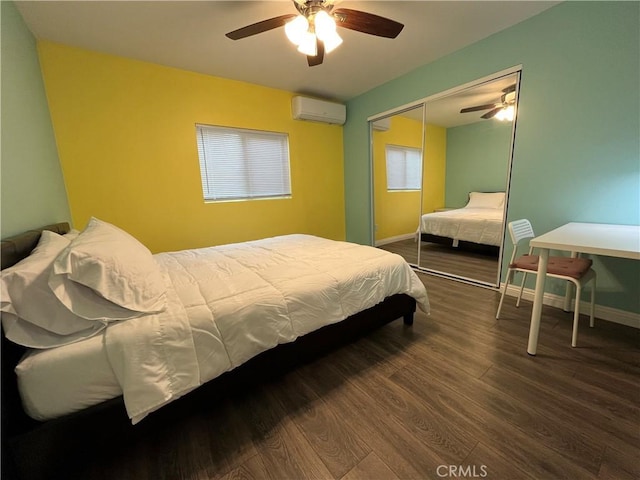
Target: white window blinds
[
  {"x": 404, "y": 168},
  {"x": 242, "y": 164}
]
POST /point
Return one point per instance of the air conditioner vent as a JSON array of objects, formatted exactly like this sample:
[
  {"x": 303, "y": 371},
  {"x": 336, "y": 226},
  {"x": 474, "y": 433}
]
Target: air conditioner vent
[{"x": 306, "y": 108}]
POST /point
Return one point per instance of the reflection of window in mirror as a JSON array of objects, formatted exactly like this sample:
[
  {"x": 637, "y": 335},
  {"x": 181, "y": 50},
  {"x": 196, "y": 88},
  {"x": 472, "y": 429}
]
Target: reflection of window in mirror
[
  {"x": 404, "y": 165},
  {"x": 397, "y": 167}
]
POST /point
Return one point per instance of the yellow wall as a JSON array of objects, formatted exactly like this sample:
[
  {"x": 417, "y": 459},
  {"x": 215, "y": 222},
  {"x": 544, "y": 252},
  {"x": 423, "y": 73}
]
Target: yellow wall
[
  {"x": 397, "y": 213},
  {"x": 434, "y": 168},
  {"x": 125, "y": 132}
]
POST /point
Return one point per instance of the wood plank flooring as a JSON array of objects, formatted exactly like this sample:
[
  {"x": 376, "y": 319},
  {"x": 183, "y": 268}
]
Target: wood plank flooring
[
  {"x": 453, "y": 396},
  {"x": 442, "y": 258}
]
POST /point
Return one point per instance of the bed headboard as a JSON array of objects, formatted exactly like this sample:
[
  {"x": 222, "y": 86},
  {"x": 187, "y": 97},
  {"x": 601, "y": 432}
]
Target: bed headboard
[{"x": 20, "y": 246}]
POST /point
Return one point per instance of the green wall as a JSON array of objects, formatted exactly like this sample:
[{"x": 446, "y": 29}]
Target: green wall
[
  {"x": 577, "y": 148},
  {"x": 477, "y": 160},
  {"x": 32, "y": 188}
]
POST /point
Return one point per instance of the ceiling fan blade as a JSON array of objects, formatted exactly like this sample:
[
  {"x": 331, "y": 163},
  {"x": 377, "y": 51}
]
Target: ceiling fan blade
[
  {"x": 509, "y": 89},
  {"x": 492, "y": 113},
  {"x": 317, "y": 60},
  {"x": 478, "y": 108},
  {"x": 367, "y": 23},
  {"x": 260, "y": 27}
]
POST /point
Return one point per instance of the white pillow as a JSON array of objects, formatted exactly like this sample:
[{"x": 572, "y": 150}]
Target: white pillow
[
  {"x": 486, "y": 200},
  {"x": 31, "y": 314},
  {"x": 25, "y": 333},
  {"x": 72, "y": 234},
  {"x": 106, "y": 274}
]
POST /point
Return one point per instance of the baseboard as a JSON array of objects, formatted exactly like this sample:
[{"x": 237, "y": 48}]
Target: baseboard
[
  {"x": 397, "y": 238},
  {"x": 609, "y": 314}
]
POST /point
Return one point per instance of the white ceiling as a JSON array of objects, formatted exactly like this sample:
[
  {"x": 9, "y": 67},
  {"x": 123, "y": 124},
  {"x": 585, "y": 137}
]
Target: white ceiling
[{"x": 190, "y": 35}]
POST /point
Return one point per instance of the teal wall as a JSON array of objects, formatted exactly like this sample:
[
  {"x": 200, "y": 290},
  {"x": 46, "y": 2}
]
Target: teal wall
[
  {"x": 477, "y": 160},
  {"x": 577, "y": 148},
  {"x": 32, "y": 191}
]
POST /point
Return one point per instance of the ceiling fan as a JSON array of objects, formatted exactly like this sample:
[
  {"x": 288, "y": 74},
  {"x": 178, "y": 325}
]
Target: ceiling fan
[
  {"x": 313, "y": 29},
  {"x": 502, "y": 110}
]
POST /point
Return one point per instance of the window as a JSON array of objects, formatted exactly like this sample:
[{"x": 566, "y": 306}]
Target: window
[
  {"x": 240, "y": 164},
  {"x": 404, "y": 168}
]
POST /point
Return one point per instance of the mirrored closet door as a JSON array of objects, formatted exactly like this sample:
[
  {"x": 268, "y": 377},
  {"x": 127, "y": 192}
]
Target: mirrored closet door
[{"x": 467, "y": 143}]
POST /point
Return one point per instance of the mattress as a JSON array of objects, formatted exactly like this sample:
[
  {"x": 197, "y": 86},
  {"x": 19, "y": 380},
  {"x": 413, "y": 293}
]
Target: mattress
[
  {"x": 235, "y": 301},
  {"x": 57, "y": 381},
  {"x": 477, "y": 225}
]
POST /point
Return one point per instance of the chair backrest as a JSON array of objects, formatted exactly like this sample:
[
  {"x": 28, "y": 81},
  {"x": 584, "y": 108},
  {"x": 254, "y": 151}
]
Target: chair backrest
[{"x": 519, "y": 230}]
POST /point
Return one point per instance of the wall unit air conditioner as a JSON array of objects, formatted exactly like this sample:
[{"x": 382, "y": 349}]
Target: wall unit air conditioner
[
  {"x": 305, "y": 108},
  {"x": 382, "y": 125}
]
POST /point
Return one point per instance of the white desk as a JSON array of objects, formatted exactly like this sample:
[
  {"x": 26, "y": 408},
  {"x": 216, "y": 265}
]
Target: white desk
[{"x": 598, "y": 239}]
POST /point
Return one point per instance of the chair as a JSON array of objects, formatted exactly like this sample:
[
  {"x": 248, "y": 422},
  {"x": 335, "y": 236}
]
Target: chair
[{"x": 575, "y": 270}]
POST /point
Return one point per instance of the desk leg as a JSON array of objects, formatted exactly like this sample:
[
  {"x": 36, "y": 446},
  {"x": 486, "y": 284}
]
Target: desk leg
[{"x": 537, "y": 301}]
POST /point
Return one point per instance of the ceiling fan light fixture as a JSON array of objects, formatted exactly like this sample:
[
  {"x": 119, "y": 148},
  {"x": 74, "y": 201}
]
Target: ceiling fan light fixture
[
  {"x": 506, "y": 114},
  {"x": 313, "y": 29},
  {"x": 331, "y": 42},
  {"x": 296, "y": 29},
  {"x": 325, "y": 26},
  {"x": 308, "y": 45}
]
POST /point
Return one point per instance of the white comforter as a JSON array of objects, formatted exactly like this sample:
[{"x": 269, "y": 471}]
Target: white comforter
[
  {"x": 243, "y": 299},
  {"x": 478, "y": 225}
]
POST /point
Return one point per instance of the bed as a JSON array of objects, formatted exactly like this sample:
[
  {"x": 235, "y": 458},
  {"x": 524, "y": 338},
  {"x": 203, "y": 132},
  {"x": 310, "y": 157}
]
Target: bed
[
  {"x": 276, "y": 302},
  {"x": 479, "y": 222}
]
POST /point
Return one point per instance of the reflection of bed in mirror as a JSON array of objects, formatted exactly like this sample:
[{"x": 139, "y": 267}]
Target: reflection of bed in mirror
[{"x": 476, "y": 226}]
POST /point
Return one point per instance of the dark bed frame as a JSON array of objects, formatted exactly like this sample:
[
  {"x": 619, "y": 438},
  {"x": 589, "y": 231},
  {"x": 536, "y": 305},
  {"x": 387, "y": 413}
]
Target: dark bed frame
[
  {"x": 489, "y": 250},
  {"x": 33, "y": 450}
]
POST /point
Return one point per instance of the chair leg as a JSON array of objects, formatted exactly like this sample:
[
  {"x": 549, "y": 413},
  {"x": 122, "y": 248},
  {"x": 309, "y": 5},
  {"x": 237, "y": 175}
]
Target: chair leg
[
  {"x": 506, "y": 284},
  {"x": 576, "y": 317},
  {"x": 524, "y": 278},
  {"x": 569, "y": 290},
  {"x": 567, "y": 297}
]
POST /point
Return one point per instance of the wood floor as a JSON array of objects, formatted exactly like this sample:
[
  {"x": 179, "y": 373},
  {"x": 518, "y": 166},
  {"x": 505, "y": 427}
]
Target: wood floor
[
  {"x": 453, "y": 396},
  {"x": 442, "y": 258}
]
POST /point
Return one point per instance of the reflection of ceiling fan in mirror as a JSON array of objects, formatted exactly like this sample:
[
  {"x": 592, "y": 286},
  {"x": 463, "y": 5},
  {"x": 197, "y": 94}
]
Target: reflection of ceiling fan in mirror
[
  {"x": 503, "y": 110},
  {"x": 313, "y": 31}
]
